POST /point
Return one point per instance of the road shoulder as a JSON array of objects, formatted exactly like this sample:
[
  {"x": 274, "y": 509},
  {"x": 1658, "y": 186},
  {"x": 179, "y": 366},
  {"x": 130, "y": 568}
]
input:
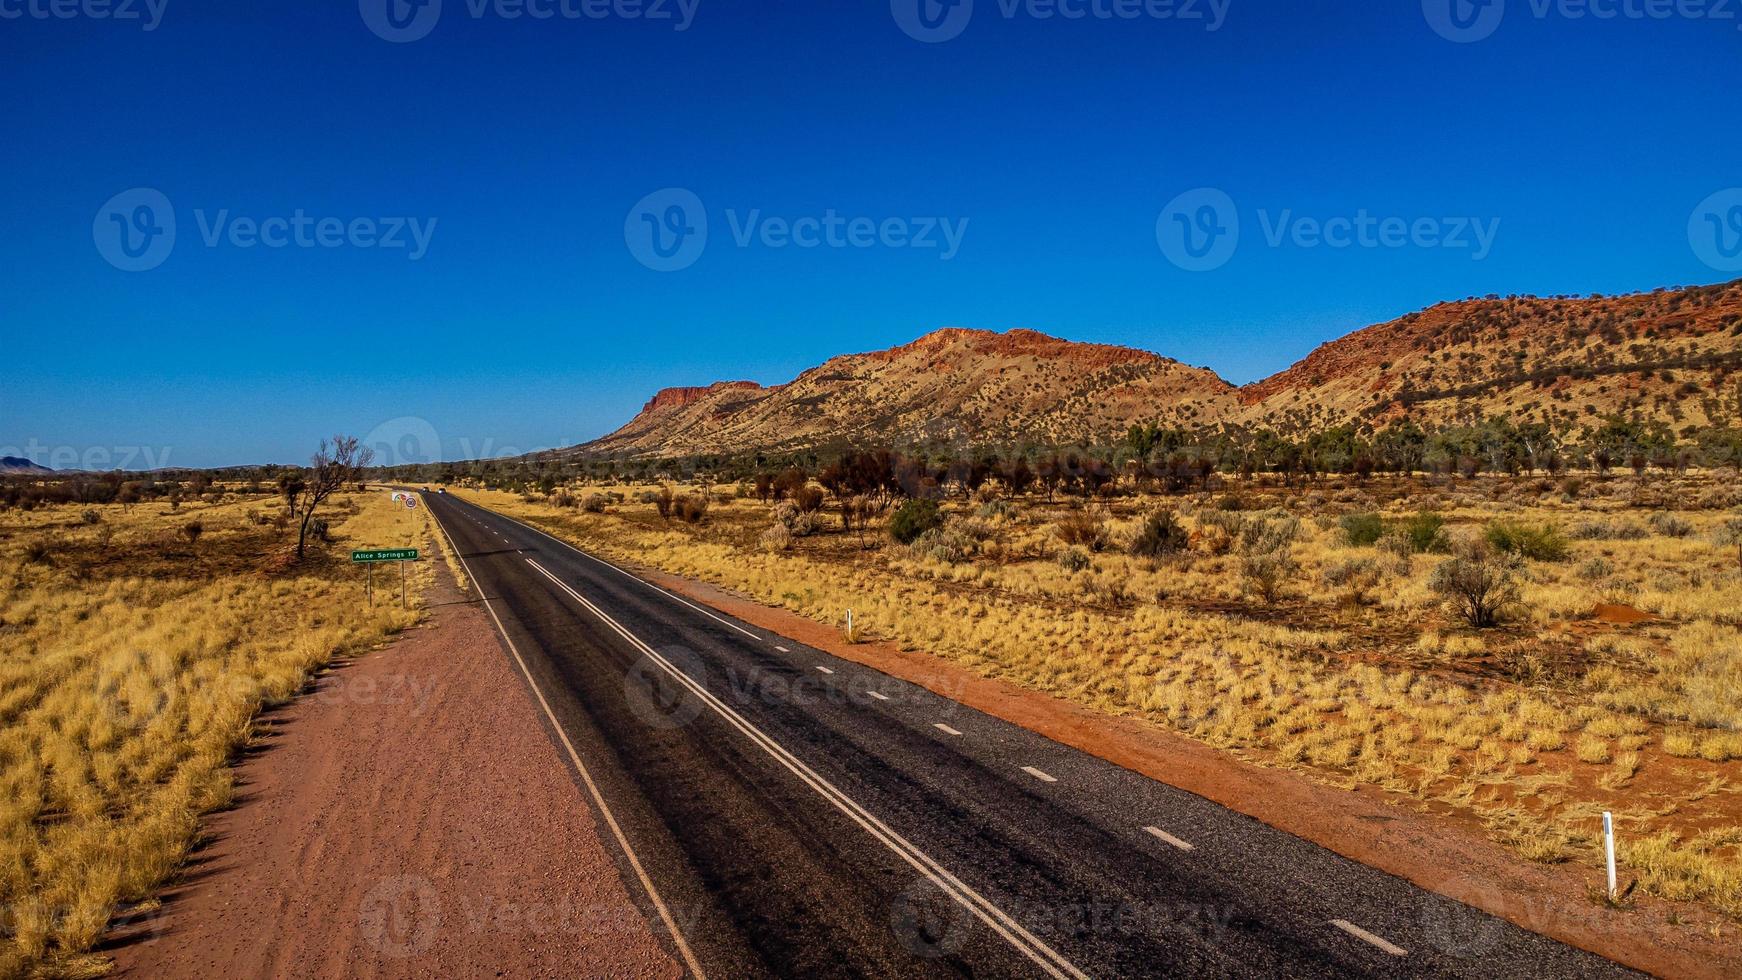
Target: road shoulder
[{"x": 408, "y": 817}]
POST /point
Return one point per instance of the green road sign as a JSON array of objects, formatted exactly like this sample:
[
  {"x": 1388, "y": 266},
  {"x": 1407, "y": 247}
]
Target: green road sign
[{"x": 385, "y": 554}]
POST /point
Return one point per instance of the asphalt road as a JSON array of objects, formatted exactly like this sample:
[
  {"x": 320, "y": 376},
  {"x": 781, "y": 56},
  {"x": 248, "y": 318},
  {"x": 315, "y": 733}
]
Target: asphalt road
[{"x": 789, "y": 813}]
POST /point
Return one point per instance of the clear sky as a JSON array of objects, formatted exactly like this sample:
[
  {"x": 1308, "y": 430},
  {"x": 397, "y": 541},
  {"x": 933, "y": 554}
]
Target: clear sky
[{"x": 532, "y": 316}]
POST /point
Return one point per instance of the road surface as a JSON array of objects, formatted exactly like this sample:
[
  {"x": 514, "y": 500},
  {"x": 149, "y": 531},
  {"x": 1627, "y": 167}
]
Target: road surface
[{"x": 783, "y": 812}]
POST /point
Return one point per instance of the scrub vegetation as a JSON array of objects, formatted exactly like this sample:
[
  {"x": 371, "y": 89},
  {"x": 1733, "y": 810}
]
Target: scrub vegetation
[{"x": 139, "y": 640}]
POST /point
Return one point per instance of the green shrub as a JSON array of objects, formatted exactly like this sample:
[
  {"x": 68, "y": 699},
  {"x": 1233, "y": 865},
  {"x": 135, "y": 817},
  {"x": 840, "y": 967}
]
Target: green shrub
[
  {"x": 1542, "y": 543},
  {"x": 1362, "y": 530},
  {"x": 1425, "y": 532},
  {"x": 1073, "y": 559},
  {"x": 914, "y": 518}
]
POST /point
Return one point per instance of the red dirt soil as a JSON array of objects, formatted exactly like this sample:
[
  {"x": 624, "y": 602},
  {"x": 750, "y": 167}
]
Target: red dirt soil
[
  {"x": 407, "y": 818},
  {"x": 1437, "y": 852}
]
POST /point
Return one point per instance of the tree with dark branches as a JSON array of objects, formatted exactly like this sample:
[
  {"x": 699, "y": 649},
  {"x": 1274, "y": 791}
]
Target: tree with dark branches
[{"x": 332, "y": 466}]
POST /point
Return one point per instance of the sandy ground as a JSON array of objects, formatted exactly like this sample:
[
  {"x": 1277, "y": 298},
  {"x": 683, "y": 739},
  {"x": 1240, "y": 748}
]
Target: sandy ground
[
  {"x": 1436, "y": 852},
  {"x": 408, "y": 818}
]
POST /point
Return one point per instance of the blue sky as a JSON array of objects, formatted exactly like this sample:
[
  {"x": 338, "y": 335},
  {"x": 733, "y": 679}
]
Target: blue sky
[{"x": 529, "y": 321}]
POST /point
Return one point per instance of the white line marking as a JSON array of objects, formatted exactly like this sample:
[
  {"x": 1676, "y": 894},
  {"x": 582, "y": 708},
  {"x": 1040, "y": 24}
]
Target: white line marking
[
  {"x": 1171, "y": 839},
  {"x": 879, "y": 695},
  {"x": 824, "y": 669},
  {"x": 947, "y": 730},
  {"x": 1000, "y": 922},
  {"x": 782, "y": 649},
  {"x": 1367, "y": 937},
  {"x": 677, "y": 938},
  {"x": 639, "y": 581},
  {"x": 1036, "y": 773}
]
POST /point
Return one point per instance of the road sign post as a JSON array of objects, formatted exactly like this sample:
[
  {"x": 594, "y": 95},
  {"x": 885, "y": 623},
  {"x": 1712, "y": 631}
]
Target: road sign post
[{"x": 371, "y": 557}]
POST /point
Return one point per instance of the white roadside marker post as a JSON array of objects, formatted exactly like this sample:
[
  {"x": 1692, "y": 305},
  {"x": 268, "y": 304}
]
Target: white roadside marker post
[
  {"x": 1609, "y": 849},
  {"x": 849, "y": 626}
]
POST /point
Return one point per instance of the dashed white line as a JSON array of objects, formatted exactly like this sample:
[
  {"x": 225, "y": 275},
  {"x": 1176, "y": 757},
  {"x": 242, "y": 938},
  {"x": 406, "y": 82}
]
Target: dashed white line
[
  {"x": 947, "y": 730},
  {"x": 1036, "y": 773},
  {"x": 879, "y": 695},
  {"x": 782, "y": 649},
  {"x": 1160, "y": 834},
  {"x": 824, "y": 669},
  {"x": 1367, "y": 937}
]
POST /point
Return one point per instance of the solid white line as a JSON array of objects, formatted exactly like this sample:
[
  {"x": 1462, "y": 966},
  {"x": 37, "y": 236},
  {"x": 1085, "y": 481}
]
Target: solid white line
[
  {"x": 1365, "y": 936},
  {"x": 824, "y": 669},
  {"x": 996, "y": 918},
  {"x": 947, "y": 730},
  {"x": 677, "y": 938},
  {"x": 1171, "y": 839},
  {"x": 1036, "y": 773},
  {"x": 879, "y": 695},
  {"x": 639, "y": 581}
]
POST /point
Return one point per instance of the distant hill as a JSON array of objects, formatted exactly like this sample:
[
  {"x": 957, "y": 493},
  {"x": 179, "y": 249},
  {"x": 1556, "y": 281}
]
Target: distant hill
[
  {"x": 1670, "y": 355},
  {"x": 18, "y": 466}
]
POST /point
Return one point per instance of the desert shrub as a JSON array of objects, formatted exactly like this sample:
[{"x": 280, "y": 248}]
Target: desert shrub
[
  {"x": 995, "y": 509},
  {"x": 944, "y": 544},
  {"x": 1425, "y": 533},
  {"x": 1592, "y": 530},
  {"x": 1081, "y": 529},
  {"x": 1669, "y": 525},
  {"x": 563, "y": 499},
  {"x": 1229, "y": 521},
  {"x": 808, "y": 499},
  {"x": 1212, "y": 539},
  {"x": 37, "y": 551},
  {"x": 319, "y": 530},
  {"x": 1596, "y": 570},
  {"x": 1730, "y": 536},
  {"x": 800, "y": 522},
  {"x": 1073, "y": 559},
  {"x": 647, "y": 497},
  {"x": 690, "y": 508},
  {"x": 1267, "y": 573},
  {"x": 913, "y": 518},
  {"x": 1354, "y": 579},
  {"x": 1267, "y": 562},
  {"x": 1362, "y": 530},
  {"x": 593, "y": 503},
  {"x": 1542, "y": 542},
  {"x": 1160, "y": 534},
  {"x": 1477, "y": 585},
  {"x": 1230, "y": 502},
  {"x": 192, "y": 531},
  {"x": 776, "y": 538},
  {"x": 91, "y": 516},
  {"x": 664, "y": 501}
]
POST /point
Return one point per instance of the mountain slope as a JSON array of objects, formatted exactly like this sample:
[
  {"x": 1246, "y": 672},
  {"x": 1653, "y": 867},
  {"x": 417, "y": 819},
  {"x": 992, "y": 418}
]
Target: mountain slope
[
  {"x": 952, "y": 386},
  {"x": 19, "y": 466},
  {"x": 1672, "y": 355}
]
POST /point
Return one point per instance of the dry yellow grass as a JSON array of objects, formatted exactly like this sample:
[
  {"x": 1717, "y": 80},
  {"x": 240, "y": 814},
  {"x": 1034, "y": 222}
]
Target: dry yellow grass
[
  {"x": 131, "y": 670},
  {"x": 1531, "y": 730}
]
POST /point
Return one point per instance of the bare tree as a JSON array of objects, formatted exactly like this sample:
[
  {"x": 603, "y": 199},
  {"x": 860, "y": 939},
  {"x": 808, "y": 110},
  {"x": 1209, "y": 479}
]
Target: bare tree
[{"x": 331, "y": 467}]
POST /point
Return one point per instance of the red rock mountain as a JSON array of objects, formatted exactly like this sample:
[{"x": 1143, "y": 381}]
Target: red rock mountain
[{"x": 1675, "y": 355}]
